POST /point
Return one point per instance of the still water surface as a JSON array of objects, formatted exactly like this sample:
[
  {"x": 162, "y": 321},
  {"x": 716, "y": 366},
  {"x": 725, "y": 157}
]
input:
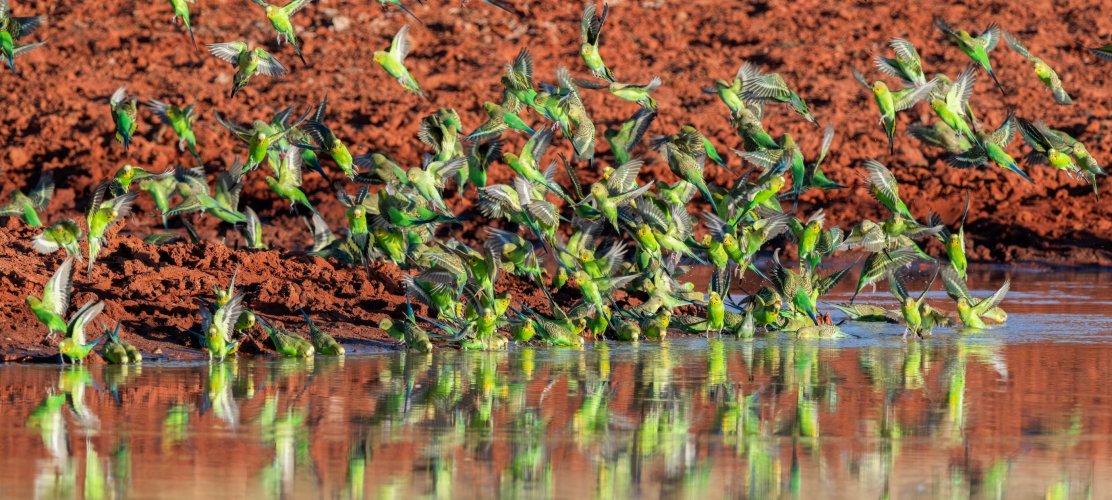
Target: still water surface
[{"x": 1021, "y": 411}]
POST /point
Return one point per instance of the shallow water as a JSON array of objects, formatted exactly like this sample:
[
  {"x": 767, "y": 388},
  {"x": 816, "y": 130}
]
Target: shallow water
[{"x": 1020, "y": 411}]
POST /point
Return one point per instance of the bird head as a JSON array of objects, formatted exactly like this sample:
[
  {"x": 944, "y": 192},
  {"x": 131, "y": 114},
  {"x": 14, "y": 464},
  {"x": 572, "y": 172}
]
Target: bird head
[
  {"x": 1058, "y": 159},
  {"x": 222, "y": 296},
  {"x": 71, "y": 227},
  {"x": 246, "y": 320},
  {"x": 599, "y": 190},
  {"x": 953, "y": 242},
  {"x": 561, "y": 277},
  {"x": 213, "y": 331},
  {"x": 501, "y": 303},
  {"x": 125, "y": 172},
  {"x": 787, "y": 142},
  {"x": 937, "y": 104}
]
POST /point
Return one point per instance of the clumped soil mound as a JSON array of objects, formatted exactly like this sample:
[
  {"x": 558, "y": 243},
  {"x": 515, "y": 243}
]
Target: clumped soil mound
[{"x": 57, "y": 119}]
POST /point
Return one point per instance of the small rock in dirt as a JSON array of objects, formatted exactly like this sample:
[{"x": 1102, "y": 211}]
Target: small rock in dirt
[
  {"x": 18, "y": 157},
  {"x": 341, "y": 23}
]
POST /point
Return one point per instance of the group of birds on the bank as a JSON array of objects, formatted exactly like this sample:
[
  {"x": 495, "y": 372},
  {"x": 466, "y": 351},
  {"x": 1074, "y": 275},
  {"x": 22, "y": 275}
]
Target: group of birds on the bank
[{"x": 617, "y": 245}]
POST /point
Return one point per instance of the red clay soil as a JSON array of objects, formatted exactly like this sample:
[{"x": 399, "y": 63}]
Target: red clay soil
[
  {"x": 152, "y": 289},
  {"x": 57, "y": 119}
]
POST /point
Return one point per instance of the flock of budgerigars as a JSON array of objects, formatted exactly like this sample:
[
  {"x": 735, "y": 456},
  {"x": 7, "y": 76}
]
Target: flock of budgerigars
[{"x": 618, "y": 234}]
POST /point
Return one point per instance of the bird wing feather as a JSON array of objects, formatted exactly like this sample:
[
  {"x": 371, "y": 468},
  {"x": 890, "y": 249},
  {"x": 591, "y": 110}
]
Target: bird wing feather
[
  {"x": 84, "y": 315},
  {"x": 269, "y": 65},
  {"x": 400, "y": 46},
  {"x": 43, "y": 192},
  {"x": 294, "y": 6},
  {"x": 227, "y": 51},
  {"x": 56, "y": 295},
  {"x": 912, "y": 96}
]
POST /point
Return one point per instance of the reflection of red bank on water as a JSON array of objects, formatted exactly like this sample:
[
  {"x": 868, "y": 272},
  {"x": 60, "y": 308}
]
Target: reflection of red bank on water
[
  {"x": 959, "y": 417},
  {"x": 63, "y": 125}
]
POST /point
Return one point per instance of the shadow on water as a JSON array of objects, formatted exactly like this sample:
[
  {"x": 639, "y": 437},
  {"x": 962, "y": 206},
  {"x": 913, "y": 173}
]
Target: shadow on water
[{"x": 964, "y": 416}]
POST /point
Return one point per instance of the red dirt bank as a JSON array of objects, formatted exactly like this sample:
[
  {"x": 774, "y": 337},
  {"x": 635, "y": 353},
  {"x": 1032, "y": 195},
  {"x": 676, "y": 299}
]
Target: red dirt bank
[{"x": 57, "y": 120}]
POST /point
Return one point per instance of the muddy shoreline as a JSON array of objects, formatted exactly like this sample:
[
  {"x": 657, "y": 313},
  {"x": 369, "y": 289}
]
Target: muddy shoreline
[{"x": 151, "y": 290}]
